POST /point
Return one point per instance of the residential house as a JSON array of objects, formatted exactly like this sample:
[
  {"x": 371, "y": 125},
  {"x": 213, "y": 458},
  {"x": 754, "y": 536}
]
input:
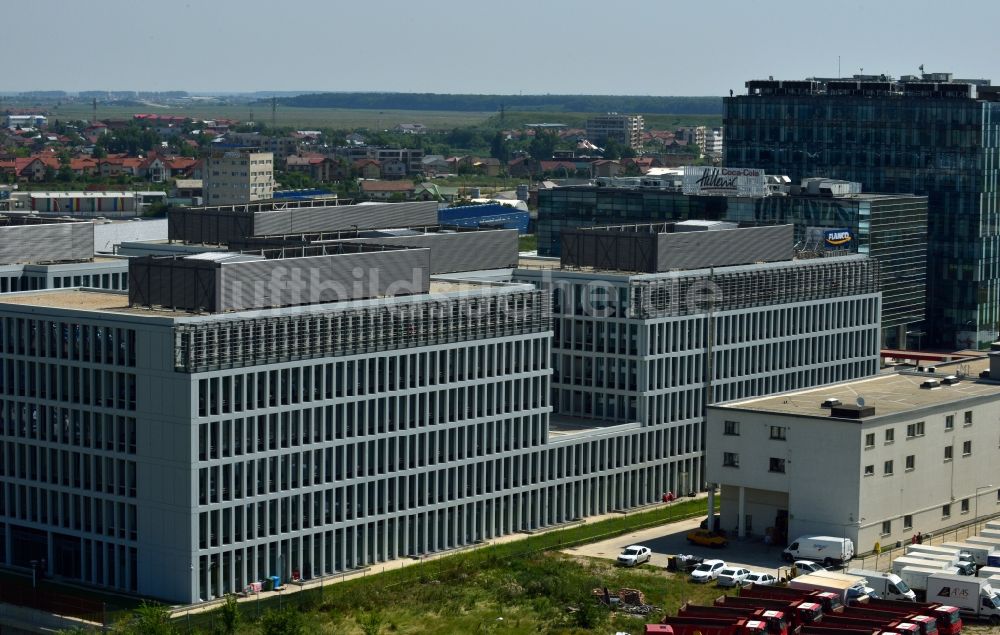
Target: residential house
[
  {"x": 367, "y": 169},
  {"x": 434, "y": 164},
  {"x": 387, "y": 190},
  {"x": 316, "y": 166},
  {"x": 430, "y": 191},
  {"x": 393, "y": 169},
  {"x": 607, "y": 167},
  {"x": 487, "y": 167},
  {"x": 84, "y": 166},
  {"x": 521, "y": 167}
]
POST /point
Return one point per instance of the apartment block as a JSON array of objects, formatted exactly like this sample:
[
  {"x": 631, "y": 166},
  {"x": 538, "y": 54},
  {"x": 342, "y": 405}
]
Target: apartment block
[
  {"x": 623, "y": 129},
  {"x": 237, "y": 176}
]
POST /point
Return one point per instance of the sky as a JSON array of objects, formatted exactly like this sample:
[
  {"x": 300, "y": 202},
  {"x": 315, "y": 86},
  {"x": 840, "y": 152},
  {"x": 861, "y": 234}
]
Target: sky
[{"x": 635, "y": 47}]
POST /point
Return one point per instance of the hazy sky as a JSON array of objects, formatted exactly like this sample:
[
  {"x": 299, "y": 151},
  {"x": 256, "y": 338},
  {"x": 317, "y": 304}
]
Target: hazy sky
[{"x": 662, "y": 47}]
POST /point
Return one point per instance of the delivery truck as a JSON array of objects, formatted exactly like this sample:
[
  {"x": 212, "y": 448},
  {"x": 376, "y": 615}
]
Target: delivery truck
[
  {"x": 988, "y": 572},
  {"x": 774, "y": 619},
  {"x": 915, "y": 561},
  {"x": 797, "y": 612},
  {"x": 829, "y": 550},
  {"x": 886, "y": 585},
  {"x": 965, "y": 567},
  {"x": 974, "y": 597},
  {"x": 712, "y": 626},
  {"x": 925, "y": 625},
  {"x": 989, "y": 541},
  {"x": 859, "y": 585},
  {"x": 893, "y": 626},
  {"x": 846, "y": 588},
  {"x": 982, "y": 555},
  {"x": 829, "y": 601},
  {"x": 948, "y": 618},
  {"x": 916, "y": 578}
]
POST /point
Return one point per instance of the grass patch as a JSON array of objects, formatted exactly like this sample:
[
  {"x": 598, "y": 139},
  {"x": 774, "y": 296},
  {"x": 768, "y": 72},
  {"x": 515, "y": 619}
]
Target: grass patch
[
  {"x": 351, "y": 118},
  {"x": 527, "y": 242},
  {"x": 525, "y": 582}
]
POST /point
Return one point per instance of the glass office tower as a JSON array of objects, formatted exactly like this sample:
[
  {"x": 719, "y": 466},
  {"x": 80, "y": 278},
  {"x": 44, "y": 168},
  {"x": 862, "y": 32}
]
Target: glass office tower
[
  {"x": 889, "y": 227},
  {"x": 931, "y": 135}
]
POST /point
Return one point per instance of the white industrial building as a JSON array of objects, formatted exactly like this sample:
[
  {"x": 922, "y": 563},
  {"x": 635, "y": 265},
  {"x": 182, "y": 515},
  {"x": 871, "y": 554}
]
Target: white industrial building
[{"x": 883, "y": 459}]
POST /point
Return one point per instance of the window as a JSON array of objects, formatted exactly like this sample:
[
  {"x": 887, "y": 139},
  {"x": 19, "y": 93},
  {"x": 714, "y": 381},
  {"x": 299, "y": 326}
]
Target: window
[
  {"x": 915, "y": 430},
  {"x": 945, "y": 511},
  {"x": 777, "y": 465},
  {"x": 732, "y": 428},
  {"x": 907, "y": 522},
  {"x": 870, "y": 440},
  {"x": 730, "y": 459},
  {"x": 778, "y": 433},
  {"x": 965, "y": 505},
  {"x": 966, "y": 448},
  {"x": 886, "y": 527},
  {"x": 890, "y": 435},
  {"x": 968, "y": 417},
  {"x": 949, "y": 422},
  {"x": 911, "y": 462},
  {"x": 887, "y": 468},
  {"x": 947, "y": 453},
  {"x": 869, "y": 470}
]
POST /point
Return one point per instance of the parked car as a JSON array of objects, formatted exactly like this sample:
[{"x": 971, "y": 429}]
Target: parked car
[
  {"x": 807, "y": 566},
  {"x": 707, "y": 571},
  {"x": 706, "y": 538},
  {"x": 732, "y": 576},
  {"x": 634, "y": 555},
  {"x": 683, "y": 562},
  {"x": 760, "y": 579}
]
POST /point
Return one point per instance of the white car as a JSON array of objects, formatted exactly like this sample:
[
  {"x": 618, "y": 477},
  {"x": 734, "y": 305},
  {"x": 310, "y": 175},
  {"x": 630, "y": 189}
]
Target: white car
[
  {"x": 634, "y": 555},
  {"x": 761, "y": 579},
  {"x": 707, "y": 571},
  {"x": 732, "y": 576},
  {"x": 808, "y": 566}
]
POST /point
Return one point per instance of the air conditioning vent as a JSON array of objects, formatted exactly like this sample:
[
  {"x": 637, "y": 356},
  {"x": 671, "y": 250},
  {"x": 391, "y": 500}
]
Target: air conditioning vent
[
  {"x": 950, "y": 380},
  {"x": 930, "y": 383},
  {"x": 830, "y": 402}
]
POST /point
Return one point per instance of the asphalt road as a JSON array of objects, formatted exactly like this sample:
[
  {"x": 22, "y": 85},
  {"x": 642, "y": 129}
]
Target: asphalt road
[{"x": 668, "y": 540}]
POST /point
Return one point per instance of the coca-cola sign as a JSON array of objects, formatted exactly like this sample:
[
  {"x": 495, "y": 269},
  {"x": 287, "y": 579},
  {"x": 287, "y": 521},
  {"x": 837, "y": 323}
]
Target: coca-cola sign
[{"x": 724, "y": 181}]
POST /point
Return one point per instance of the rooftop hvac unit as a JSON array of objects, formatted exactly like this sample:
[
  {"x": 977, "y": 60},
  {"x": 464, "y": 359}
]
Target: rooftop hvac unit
[
  {"x": 930, "y": 383},
  {"x": 830, "y": 402},
  {"x": 951, "y": 379}
]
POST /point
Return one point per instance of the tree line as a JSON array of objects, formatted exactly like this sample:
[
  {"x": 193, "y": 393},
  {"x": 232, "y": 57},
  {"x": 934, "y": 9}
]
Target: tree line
[{"x": 487, "y": 103}]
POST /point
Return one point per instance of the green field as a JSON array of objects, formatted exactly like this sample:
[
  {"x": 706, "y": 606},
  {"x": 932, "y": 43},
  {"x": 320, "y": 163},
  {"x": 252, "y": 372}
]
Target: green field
[
  {"x": 336, "y": 118},
  {"x": 302, "y": 118}
]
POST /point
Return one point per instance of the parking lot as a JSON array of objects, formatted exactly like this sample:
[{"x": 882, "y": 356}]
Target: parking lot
[{"x": 669, "y": 540}]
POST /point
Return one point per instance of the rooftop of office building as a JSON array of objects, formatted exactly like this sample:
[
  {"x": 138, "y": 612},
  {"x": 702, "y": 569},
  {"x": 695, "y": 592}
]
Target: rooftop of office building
[
  {"x": 80, "y": 299},
  {"x": 937, "y": 85},
  {"x": 884, "y": 395}
]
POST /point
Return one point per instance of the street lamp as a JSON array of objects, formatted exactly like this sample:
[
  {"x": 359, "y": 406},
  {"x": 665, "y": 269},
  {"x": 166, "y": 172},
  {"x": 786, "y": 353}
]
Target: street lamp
[{"x": 978, "y": 489}]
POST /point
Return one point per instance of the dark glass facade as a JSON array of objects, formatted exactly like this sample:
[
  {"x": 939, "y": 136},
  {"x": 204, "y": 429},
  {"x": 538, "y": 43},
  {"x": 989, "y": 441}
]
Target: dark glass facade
[
  {"x": 941, "y": 140},
  {"x": 891, "y": 228}
]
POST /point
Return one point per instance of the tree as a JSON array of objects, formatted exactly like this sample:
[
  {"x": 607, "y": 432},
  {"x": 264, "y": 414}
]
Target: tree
[
  {"x": 230, "y": 616},
  {"x": 543, "y": 145},
  {"x": 284, "y": 622},
  {"x": 149, "y": 619},
  {"x": 499, "y": 147}
]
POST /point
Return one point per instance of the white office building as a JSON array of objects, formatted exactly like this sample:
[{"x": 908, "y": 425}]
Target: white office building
[{"x": 918, "y": 455}]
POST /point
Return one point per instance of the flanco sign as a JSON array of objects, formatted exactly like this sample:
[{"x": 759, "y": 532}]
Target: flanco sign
[{"x": 724, "y": 181}]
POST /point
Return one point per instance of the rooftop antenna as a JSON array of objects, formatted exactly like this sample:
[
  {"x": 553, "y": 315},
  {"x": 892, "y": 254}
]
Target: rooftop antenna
[
  {"x": 921, "y": 67},
  {"x": 838, "y": 66},
  {"x": 274, "y": 112},
  {"x": 95, "y": 111}
]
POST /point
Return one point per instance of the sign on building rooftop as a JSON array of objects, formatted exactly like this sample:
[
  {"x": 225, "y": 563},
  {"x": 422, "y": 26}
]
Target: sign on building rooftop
[{"x": 712, "y": 181}]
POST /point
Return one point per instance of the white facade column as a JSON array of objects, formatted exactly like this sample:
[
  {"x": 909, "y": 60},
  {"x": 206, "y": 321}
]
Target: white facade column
[
  {"x": 711, "y": 506},
  {"x": 741, "y": 519}
]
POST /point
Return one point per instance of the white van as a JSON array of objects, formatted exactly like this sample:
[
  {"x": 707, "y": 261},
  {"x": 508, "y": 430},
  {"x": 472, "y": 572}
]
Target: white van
[
  {"x": 888, "y": 586},
  {"x": 829, "y": 550}
]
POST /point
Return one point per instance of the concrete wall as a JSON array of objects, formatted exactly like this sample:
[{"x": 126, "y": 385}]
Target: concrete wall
[
  {"x": 107, "y": 236},
  {"x": 461, "y": 251},
  {"x": 46, "y": 243}
]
